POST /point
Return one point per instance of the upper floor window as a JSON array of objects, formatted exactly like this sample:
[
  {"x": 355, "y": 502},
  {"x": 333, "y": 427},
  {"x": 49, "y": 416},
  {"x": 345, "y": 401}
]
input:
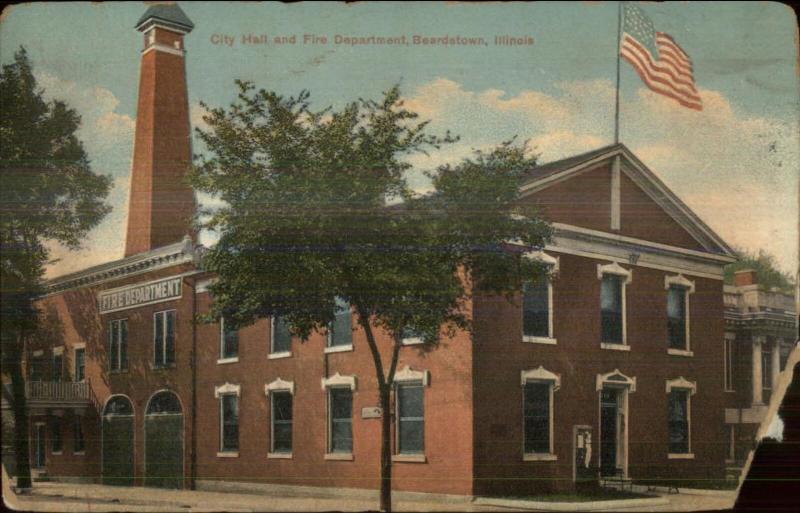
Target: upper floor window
[
  {"x": 164, "y": 339},
  {"x": 80, "y": 364},
  {"x": 229, "y": 341},
  {"x": 678, "y": 290},
  {"x": 538, "y": 386},
  {"x": 340, "y": 333},
  {"x": 58, "y": 363},
  {"x": 118, "y": 345},
  {"x": 281, "y": 338},
  {"x": 613, "y": 281},
  {"x": 679, "y": 392},
  {"x": 36, "y": 368},
  {"x": 537, "y": 304}
]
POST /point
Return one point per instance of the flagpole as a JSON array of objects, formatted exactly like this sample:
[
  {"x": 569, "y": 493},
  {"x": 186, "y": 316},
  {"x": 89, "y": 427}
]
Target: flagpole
[{"x": 619, "y": 43}]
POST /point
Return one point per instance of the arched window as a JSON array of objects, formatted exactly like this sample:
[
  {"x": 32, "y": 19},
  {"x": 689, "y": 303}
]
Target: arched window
[
  {"x": 118, "y": 405},
  {"x": 164, "y": 402}
]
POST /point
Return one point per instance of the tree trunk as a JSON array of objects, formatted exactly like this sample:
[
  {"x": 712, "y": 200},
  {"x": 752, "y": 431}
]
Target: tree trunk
[
  {"x": 386, "y": 450},
  {"x": 21, "y": 434}
]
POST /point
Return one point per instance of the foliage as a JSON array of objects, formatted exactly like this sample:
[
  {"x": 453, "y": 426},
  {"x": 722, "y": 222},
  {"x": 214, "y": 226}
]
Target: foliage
[
  {"x": 48, "y": 192},
  {"x": 769, "y": 275}
]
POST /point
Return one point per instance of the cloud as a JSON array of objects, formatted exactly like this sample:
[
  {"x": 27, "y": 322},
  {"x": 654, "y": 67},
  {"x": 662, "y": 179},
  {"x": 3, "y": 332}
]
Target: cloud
[{"x": 737, "y": 170}]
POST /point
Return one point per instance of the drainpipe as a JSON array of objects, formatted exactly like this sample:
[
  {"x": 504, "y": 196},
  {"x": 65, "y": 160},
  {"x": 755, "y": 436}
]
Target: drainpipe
[{"x": 193, "y": 462}]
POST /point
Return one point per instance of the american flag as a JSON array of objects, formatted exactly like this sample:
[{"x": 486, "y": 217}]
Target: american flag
[{"x": 662, "y": 65}]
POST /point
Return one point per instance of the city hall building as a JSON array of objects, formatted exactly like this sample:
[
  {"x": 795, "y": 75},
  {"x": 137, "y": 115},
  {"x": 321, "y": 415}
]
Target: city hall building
[{"x": 615, "y": 366}]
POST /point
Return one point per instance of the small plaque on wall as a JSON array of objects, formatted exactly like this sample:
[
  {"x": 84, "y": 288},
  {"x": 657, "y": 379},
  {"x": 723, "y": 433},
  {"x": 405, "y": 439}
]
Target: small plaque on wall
[{"x": 371, "y": 412}]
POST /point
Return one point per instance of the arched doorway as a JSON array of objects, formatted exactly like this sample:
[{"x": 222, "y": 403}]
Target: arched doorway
[
  {"x": 163, "y": 441},
  {"x": 117, "y": 442}
]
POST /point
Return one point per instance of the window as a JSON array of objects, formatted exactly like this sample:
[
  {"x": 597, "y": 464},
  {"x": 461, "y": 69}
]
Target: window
[
  {"x": 611, "y": 309},
  {"x": 80, "y": 364},
  {"x": 36, "y": 368},
  {"x": 164, "y": 339},
  {"x": 766, "y": 367},
  {"x": 676, "y": 317},
  {"x": 229, "y": 423},
  {"x": 536, "y": 298},
  {"x": 410, "y": 336},
  {"x": 340, "y": 333},
  {"x": 58, "y": 363},
  {"x": 537, "y": 418},
  {"x": 229, "y": 342},
  {"x": 538, "y": 386},
  {"x": 340, "y": 412},
  {"x": 78, "y": 443},
  {"x": 410, "y": 418},
  {"x": 56, "y": 442},
  {"x": 729, "y": 359},
  {"x": 678, "y": 418},
  {"x": 118, "y": 345},
  {"x": 281, "y": 338},
  {"x": 281, "y": 421}
]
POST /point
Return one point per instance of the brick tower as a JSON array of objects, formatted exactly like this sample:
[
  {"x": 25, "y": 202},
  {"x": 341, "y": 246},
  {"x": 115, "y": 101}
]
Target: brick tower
[{"x": 161, "y": 203}]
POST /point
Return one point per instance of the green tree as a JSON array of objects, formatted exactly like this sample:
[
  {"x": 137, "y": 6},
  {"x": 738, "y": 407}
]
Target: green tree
[
  {"x": 48, "y": 193},
  {"x": 306, "y": 222},
  {"x": 769, "y": 275}
]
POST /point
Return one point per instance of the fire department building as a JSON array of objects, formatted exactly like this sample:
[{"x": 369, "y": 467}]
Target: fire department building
[{"x": 614, "y": 366}]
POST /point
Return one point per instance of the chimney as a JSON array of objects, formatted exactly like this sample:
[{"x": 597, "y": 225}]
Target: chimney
[
  {"x": 161, "y": 203},
  {"x": 745, "y": 277}
]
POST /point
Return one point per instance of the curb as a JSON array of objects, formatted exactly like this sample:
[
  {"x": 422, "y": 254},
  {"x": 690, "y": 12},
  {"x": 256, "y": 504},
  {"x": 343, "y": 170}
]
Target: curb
[{"x": 573, "y": 506}]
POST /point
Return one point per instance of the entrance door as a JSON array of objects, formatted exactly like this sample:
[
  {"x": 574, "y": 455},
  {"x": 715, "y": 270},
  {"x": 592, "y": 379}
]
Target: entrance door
[
  {"x": 117, "y": 444},
  {"x": 39, "y": 447},
  {"x": 612, "y": 431},
  {"x": 163, "y": 436}
]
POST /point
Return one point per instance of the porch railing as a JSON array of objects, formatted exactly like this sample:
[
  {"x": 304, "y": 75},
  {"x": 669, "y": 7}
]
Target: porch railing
[{"x": 57, "y": 391}]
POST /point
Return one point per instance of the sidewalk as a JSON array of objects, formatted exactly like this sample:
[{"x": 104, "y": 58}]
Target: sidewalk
[{"x": 69, "y": 497}]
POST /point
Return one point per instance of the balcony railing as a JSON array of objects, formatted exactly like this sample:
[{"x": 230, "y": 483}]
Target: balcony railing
[{"x": 57, "y": 391}]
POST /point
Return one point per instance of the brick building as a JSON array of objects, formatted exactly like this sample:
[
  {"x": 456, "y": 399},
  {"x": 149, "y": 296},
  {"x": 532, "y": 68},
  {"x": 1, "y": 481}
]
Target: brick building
[
  {"x": 614, "y": 365},
  {"x": 760, "y": 332}
]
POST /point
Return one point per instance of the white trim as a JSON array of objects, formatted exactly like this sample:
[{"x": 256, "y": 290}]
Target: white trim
[
  {"x": 621, "y": 380},
  {"x": 38, "y": 353},
  {"x": 406, "y": 374},
  {"x": 339, "y": 456},
  {"x": 616, "y": 186},
  {"x": 232, "y": 359},
  {"x": 227, "y": 389},
  {"x": 614, "y": 346},
  {"x": 615, "y": 269},
  {"x": 540, "y": 374},
  {"x": 278, "y": 356},
  {"x": 203, "y": 285},
  {"x": 412, "y": 341},
  {"x": 338, "y": 349},
  {"x": 679, "y": 352},
  {"x": 409, "y": 458},
  {"x": 279, "y": 456},
  {"x": 679, "y": 280},
  {"x": 58, "y": 351},
  {"x": 339, "y": 380},
  {"x": 163, "y": 48},
  {"x": 151, "y": 25},
  {"x": 230, "y": 454},
  {"x": 279, "y": 385},
  {"x": 681, "y": 383},
  {"x": 680, "y": 456},
  {"x": 539, "y": 457},
  {"x": 539, "y": 340},
  {"x": 545, "y": 258}
]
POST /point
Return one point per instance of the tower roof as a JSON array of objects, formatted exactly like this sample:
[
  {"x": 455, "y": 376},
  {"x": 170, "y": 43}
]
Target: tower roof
[{"x": 170, "y": 15}]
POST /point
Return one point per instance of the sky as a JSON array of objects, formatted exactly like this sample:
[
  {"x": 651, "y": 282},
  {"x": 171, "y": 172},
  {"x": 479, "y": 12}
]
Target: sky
[{"x": 735, "y": 163}]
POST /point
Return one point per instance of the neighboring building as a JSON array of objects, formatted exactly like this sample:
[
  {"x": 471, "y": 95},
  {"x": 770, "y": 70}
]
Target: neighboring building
[
  {"x": 760, "y": 332},
  {"x": 609, "y": 367}
]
